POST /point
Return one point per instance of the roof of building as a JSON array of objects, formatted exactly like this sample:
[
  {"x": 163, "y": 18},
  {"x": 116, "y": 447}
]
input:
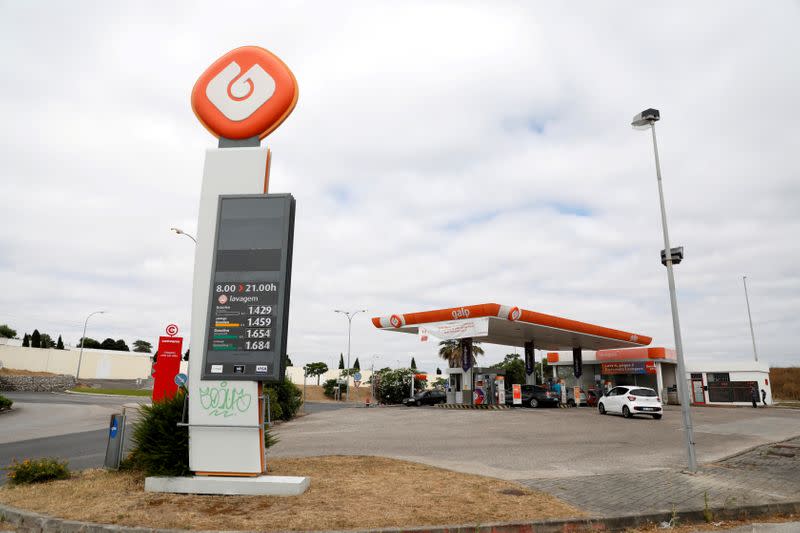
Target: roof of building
[{"x": 512, "y": 326}]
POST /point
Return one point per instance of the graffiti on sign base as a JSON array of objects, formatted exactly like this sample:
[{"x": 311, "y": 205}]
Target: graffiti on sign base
[{"x": 224, "y": 401}]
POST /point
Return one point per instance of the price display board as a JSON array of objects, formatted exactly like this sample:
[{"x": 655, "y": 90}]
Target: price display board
[{"x": 249, "y": 298}]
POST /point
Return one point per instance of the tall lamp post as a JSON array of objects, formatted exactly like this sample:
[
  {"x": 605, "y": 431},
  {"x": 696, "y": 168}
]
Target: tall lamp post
[
  {"x": 644, "y": 120},
  {"x": 83, "y": 341},
  {"x": 349, "y": 315},
  {"x": 179, "y": 231},
  {"x": 752, "y": 333}
]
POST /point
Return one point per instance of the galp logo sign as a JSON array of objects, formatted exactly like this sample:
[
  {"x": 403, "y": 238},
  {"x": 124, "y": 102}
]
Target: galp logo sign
[{"x": 246, "y": 93}]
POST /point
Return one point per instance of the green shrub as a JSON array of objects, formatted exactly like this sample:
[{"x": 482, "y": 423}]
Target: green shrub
[
  {"x": 37, "y": 471},
  {"x": 160, "y": 447},
  {"x": 394, "y": 385},
  {"x": 290, "y": 398},
  {"x": 329, "y": 388},
  {"x": 5, "y": 403}
]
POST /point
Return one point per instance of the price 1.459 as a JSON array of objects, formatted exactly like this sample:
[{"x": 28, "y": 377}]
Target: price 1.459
[{"x": 259, "y": 321}]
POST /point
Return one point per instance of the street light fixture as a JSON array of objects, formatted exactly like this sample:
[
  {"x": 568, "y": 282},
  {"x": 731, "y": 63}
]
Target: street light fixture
[
  {"x": 349, "y": 315},
  {"x": 647, "y": 119},
  {"x": 179, "y": 231},
  {"x": 83, "y": 341}
]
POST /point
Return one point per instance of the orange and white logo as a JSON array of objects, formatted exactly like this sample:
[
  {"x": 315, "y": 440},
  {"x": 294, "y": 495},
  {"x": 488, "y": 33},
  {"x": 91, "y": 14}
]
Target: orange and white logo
[{"x": 246, "y": 93}]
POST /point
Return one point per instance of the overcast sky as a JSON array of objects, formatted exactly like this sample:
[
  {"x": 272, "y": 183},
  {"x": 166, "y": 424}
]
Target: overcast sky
[{"x": 441, "y": 154}]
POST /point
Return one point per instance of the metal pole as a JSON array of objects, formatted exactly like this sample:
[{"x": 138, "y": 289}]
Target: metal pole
[
  {"x": 676, "y": 326},
  {"x": 752, "y": 333},
  {"x": 349, "y": 327},
  {"x": 305, "y": 375},
  {"x": 83, "y": 341}
]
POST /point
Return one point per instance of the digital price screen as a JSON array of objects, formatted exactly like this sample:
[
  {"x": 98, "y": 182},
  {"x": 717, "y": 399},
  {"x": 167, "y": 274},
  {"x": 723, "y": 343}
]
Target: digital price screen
[{"x": 249, "y": 298}]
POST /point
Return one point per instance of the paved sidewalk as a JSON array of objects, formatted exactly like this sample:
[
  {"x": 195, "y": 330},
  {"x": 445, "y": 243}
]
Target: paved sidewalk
[{"x": 767, "y": 474}]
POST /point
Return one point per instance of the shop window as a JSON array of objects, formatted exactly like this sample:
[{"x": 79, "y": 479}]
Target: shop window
[{"x": 719, "y": 377}]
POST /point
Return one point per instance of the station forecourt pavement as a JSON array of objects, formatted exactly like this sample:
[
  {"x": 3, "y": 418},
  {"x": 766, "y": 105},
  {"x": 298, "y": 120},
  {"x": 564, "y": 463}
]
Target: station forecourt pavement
[{"x": 523, "y": 443}]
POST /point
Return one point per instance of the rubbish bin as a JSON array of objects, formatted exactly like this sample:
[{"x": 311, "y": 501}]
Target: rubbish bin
[{"x": 116, "y": 436}]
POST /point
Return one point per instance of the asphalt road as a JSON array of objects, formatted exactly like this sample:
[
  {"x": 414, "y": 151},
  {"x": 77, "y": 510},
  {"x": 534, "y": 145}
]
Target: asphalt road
[{"x": 71, "y": 427}]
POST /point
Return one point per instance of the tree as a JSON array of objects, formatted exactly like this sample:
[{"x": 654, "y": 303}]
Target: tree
[
  {"x": 438, "y": 371},
  {"x": 450, "y": 351},
  {"x": 186, "y": 354},
  {"x": 26, "y": 341},
  {"x": 288, "y": 360},
  {"x": 88, "y": 342},
  {"x": 413, "y": 364},
  {"x": 59, "y": 344},
  {"x": 357, "y": 365},
  {"x": 141, "y": 346},
  {"x": 7, "y": 332},
  {"x": 392, "y": 386},
  {"x": 108, "y": 344},
  {"x": 36, "y": 339},
  {"x": 514, "y": 367},
  {"x": 341, "y": 361},
  {"x": 316, "y": 369},
  {"x": 46, "y": 341},
  {"x": 120, "y": 345}
]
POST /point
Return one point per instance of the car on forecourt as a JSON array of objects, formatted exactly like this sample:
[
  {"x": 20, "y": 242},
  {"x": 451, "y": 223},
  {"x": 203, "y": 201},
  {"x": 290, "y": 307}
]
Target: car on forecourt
[
  {"x": 534, "y": 396},
  {"x": 629, "y": 400},
  {"x": 426, "y": 397}
]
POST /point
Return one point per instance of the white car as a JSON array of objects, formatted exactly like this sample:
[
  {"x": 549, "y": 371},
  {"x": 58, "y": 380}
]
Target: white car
[{"x": 630, "y": 400}]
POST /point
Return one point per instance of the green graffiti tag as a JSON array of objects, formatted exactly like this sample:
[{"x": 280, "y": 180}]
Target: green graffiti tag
[{"x": 224, "y": 401}]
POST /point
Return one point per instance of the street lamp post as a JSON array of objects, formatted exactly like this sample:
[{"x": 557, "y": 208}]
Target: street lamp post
[
  {"x": 349, "y": 315},
  {"x": 179, "y": 231},
  {"x": 643, "y": 120},
  {"x": 83, "y": 341},
  {"x": 752, "y": 333}
]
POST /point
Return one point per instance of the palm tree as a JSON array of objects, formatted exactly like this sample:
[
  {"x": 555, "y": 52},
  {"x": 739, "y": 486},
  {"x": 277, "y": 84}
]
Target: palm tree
[{"x": 450, "y": 351}]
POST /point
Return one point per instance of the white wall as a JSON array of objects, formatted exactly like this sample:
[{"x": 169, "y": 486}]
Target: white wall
[
  {"x": 758, "y": 372},
  {"x": 96, "y": 364}
]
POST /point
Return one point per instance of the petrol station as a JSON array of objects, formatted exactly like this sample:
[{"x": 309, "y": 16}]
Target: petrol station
[{"x": 506, "y": 325}]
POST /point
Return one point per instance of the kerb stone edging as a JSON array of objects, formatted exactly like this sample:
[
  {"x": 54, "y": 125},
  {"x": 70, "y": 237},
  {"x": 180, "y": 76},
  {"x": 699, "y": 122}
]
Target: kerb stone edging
[{"x": 35, "y": 522}]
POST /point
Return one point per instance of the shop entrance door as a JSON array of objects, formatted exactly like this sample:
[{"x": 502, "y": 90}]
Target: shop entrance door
[{"x": 698, "y": 396}]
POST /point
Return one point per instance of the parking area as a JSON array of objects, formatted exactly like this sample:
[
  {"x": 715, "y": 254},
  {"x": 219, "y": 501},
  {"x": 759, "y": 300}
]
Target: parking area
[{"x": 519, "y": 444}]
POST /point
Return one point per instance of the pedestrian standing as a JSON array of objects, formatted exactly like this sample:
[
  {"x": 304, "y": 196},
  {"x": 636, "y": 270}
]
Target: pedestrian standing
[{"x": 754, "y": 396}]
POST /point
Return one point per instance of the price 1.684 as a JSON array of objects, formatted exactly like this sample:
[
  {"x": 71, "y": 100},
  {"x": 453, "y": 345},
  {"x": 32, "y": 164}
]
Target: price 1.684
[{"x": 257, "y": 345}]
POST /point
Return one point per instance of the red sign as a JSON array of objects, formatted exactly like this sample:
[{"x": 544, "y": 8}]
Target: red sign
[
  {"x": 628, "y": 367},
  {"x": 166, "y": 367},
  {"x": 516, "y": 393},
  {"x": 172, "y": 330}
]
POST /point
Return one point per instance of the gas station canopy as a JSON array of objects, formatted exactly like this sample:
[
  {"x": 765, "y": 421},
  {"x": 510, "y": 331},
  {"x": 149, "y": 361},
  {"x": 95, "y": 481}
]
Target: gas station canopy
[{"x": 511, "y": 326}]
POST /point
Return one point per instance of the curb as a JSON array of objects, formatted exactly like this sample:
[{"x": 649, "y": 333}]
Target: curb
[
  {"x": 35, "y": 522},
  {"x": 751, "y": 448},
  {"x": 470, "y": 406}
]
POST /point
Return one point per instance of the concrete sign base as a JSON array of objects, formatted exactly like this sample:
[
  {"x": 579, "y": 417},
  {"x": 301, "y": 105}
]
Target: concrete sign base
[{"x": 245, "y": 486}]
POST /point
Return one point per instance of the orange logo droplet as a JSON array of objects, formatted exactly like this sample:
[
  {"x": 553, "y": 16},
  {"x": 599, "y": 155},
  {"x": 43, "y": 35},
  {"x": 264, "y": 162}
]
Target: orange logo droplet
[{"x": 246, "y": 93}]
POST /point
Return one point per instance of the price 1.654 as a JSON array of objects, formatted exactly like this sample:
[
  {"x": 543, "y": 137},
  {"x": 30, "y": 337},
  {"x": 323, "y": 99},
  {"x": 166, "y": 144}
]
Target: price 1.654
[{"x": 259, "y": 333}]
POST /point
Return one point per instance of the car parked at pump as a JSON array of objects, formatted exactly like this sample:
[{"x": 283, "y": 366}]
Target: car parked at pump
[
  {"x": 534, "y": 396},
  {"x": 426, "y": 397},
  {"x": 630, "y": 400}
]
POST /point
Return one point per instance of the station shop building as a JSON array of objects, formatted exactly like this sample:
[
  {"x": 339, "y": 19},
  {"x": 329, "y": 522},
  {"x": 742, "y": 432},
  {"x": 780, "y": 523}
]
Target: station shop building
[{"x": 710, "y": 383}]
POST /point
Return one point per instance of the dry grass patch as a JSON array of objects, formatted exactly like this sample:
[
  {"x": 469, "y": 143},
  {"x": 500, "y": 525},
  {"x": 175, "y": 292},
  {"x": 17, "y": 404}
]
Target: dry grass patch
[
  {"x": 317, "y": 394},
  {"x": 15, "y": 372},
  {"x": 346, "y": 492}
]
